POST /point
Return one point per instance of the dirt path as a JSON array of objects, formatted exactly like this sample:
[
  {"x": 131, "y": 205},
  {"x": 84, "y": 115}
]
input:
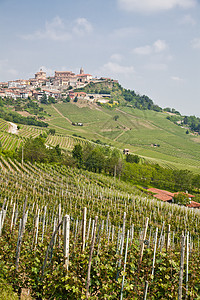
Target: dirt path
[
  {"x": 61, "y": 114},
  {"x": 13, "y": 128},
  {"x": 120, "y": 135}
]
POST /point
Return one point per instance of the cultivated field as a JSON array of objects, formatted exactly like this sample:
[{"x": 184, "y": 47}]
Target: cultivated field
[
  {"x": 70, "y": 234},
  {"x": 134, "y": 129}
]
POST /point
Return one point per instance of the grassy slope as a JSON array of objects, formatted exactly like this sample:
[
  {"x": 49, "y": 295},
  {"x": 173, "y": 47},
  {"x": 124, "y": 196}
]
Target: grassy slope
[{"x": 134, "y": 129}]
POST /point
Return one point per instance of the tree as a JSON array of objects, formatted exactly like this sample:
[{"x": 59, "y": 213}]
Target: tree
[
  {"x": 77, "y": 154},
  {"x": 76, "y": 99},
  {"x": 114, "y": 162},
  {"x": 132, "y": 158},
  {"x": 1, "y": 102},
  {"x": 51, "y": 99},
  {"x": 183, "y": 179},
  {"x": 35, "y": 150},
  {"x": 58, "y": 150},
  {"x": 43, "y": 99},
  {"x": 196, "y": 181},
  {"x": 52, "y": 131},
  {"x": 116, "y": 117},
  {"x": 95, "y": 161},
  {"x": 181, "y": 199},
  {"x": 67, "y": 99}
]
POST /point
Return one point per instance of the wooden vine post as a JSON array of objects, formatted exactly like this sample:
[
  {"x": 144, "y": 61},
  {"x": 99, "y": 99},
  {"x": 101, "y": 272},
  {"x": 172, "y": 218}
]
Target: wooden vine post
[
  {"x": 121, "y": 295},
  {"x": 168, "y": 238},
  {"x": 145, "y": 290},
  {"x": 181, "y": 268},
  {"x": 154, "y": 252},
  {"x": 66, "y": 225},
  {"x": 20, "y": 236},
  {"x": 187, "y": 261},
  {"x": 84, "y": 228},
  {"x": 142, "y": 243},
  {"x": 90, "y": 258}
]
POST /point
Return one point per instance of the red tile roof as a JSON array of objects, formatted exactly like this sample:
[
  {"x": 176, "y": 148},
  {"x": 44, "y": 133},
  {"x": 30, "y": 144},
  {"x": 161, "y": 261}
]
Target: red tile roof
[
  {"x": 83, "y": 75},
  {"x": 161, "y": 194},
  {"x": 165, "y": 195},
  {"x": 194, "y": 204}
]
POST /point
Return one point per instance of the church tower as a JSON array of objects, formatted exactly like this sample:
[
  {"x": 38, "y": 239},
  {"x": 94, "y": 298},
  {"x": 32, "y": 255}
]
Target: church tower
[{"x": 81, "y": 71}]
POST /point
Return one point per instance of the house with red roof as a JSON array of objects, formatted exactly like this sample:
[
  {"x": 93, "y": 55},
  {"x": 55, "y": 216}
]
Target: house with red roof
[
  {"x": 168, "y": 196},
  {"x": 162, "y": 194},
  {"x": 194, "y": 204}
]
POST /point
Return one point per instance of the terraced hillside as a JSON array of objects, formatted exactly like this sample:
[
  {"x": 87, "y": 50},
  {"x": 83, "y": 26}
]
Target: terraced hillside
[{"x": 125, "y": 245}]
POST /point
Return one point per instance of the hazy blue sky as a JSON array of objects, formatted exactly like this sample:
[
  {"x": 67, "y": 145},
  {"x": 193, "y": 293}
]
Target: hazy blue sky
[{"x": 150, "y": 46}]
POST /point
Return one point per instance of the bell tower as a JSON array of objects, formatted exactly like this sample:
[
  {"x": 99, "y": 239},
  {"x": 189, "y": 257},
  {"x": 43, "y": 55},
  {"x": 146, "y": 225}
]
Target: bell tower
[{"x": 81, "y": 71}]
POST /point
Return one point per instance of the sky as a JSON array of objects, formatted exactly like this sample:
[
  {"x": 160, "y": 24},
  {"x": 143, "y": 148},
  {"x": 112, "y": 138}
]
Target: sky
[{"x": 149, "y": 46}]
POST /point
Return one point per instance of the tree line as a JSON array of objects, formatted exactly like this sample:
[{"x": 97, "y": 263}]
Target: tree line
[
  {"x": 111, "y": 161},
  {"x": 14, "y": 117},
  {"x": 132, "y": 169}
]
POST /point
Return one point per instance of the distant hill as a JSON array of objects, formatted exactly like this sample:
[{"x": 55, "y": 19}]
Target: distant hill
[{"x": 128, "y": 121}]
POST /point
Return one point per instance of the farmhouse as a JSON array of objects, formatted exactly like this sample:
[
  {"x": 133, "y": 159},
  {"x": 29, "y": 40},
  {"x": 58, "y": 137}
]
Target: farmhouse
[
  {"x": 126, "y": 151},
  {"x": 168, "y": 196},
  {"x": 162, "y": 195}
]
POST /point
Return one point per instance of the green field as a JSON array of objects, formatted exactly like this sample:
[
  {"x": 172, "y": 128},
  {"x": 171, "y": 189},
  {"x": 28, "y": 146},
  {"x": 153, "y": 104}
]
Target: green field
[{"x": 134, "y": 129}]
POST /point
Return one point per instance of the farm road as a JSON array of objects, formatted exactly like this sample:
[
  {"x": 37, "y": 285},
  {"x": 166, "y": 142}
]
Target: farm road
[{"x": 61, "y": 114}]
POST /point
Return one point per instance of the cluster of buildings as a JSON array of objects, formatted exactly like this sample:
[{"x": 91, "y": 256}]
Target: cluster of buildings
[{"x": 60, "y": 85}]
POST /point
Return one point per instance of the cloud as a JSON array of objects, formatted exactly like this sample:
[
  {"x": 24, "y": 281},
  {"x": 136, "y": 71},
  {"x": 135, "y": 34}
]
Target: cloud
[
  {"x": 145, "y": 50},
  {"x": 151, "y": 6},
  {"x": 82, "y": 26},
  {"x": 57, "y": 30},
  {"x": 188, "y": 20},
  {"x": 125, "y": 32},
  {"x": 157, "y": 47},
  {"x": 116, "y": 57},
  {"x": 54, "y": 30},
  {"x": 176, "y": 78},
  {"x": 195, "y": 43},
  {"x": 115, "y": 68}
]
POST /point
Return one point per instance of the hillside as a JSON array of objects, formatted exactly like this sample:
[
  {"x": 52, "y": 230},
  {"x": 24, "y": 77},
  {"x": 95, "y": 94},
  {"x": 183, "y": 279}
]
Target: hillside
[
  {"x": 137, "y": 130},
  {"x": 34, "y": 200},
  {"x": 128, "y": 121}
]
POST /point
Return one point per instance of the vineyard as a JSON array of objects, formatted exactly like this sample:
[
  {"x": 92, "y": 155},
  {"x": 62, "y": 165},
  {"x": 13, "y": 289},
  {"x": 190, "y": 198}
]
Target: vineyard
[
  {"x": 9, "y": 141},
  {"x": 3, "y": 125},
  {"x": 12, "y": 142},
  {"x": 65, "y": 142},
  {"x": 71, "y": 234}
]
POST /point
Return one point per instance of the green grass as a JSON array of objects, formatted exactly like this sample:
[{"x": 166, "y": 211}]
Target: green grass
[{"x": 134, "y": 129}]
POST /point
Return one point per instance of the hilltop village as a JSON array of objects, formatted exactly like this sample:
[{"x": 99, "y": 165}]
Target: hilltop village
[{"x": 62, "y": 84}]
